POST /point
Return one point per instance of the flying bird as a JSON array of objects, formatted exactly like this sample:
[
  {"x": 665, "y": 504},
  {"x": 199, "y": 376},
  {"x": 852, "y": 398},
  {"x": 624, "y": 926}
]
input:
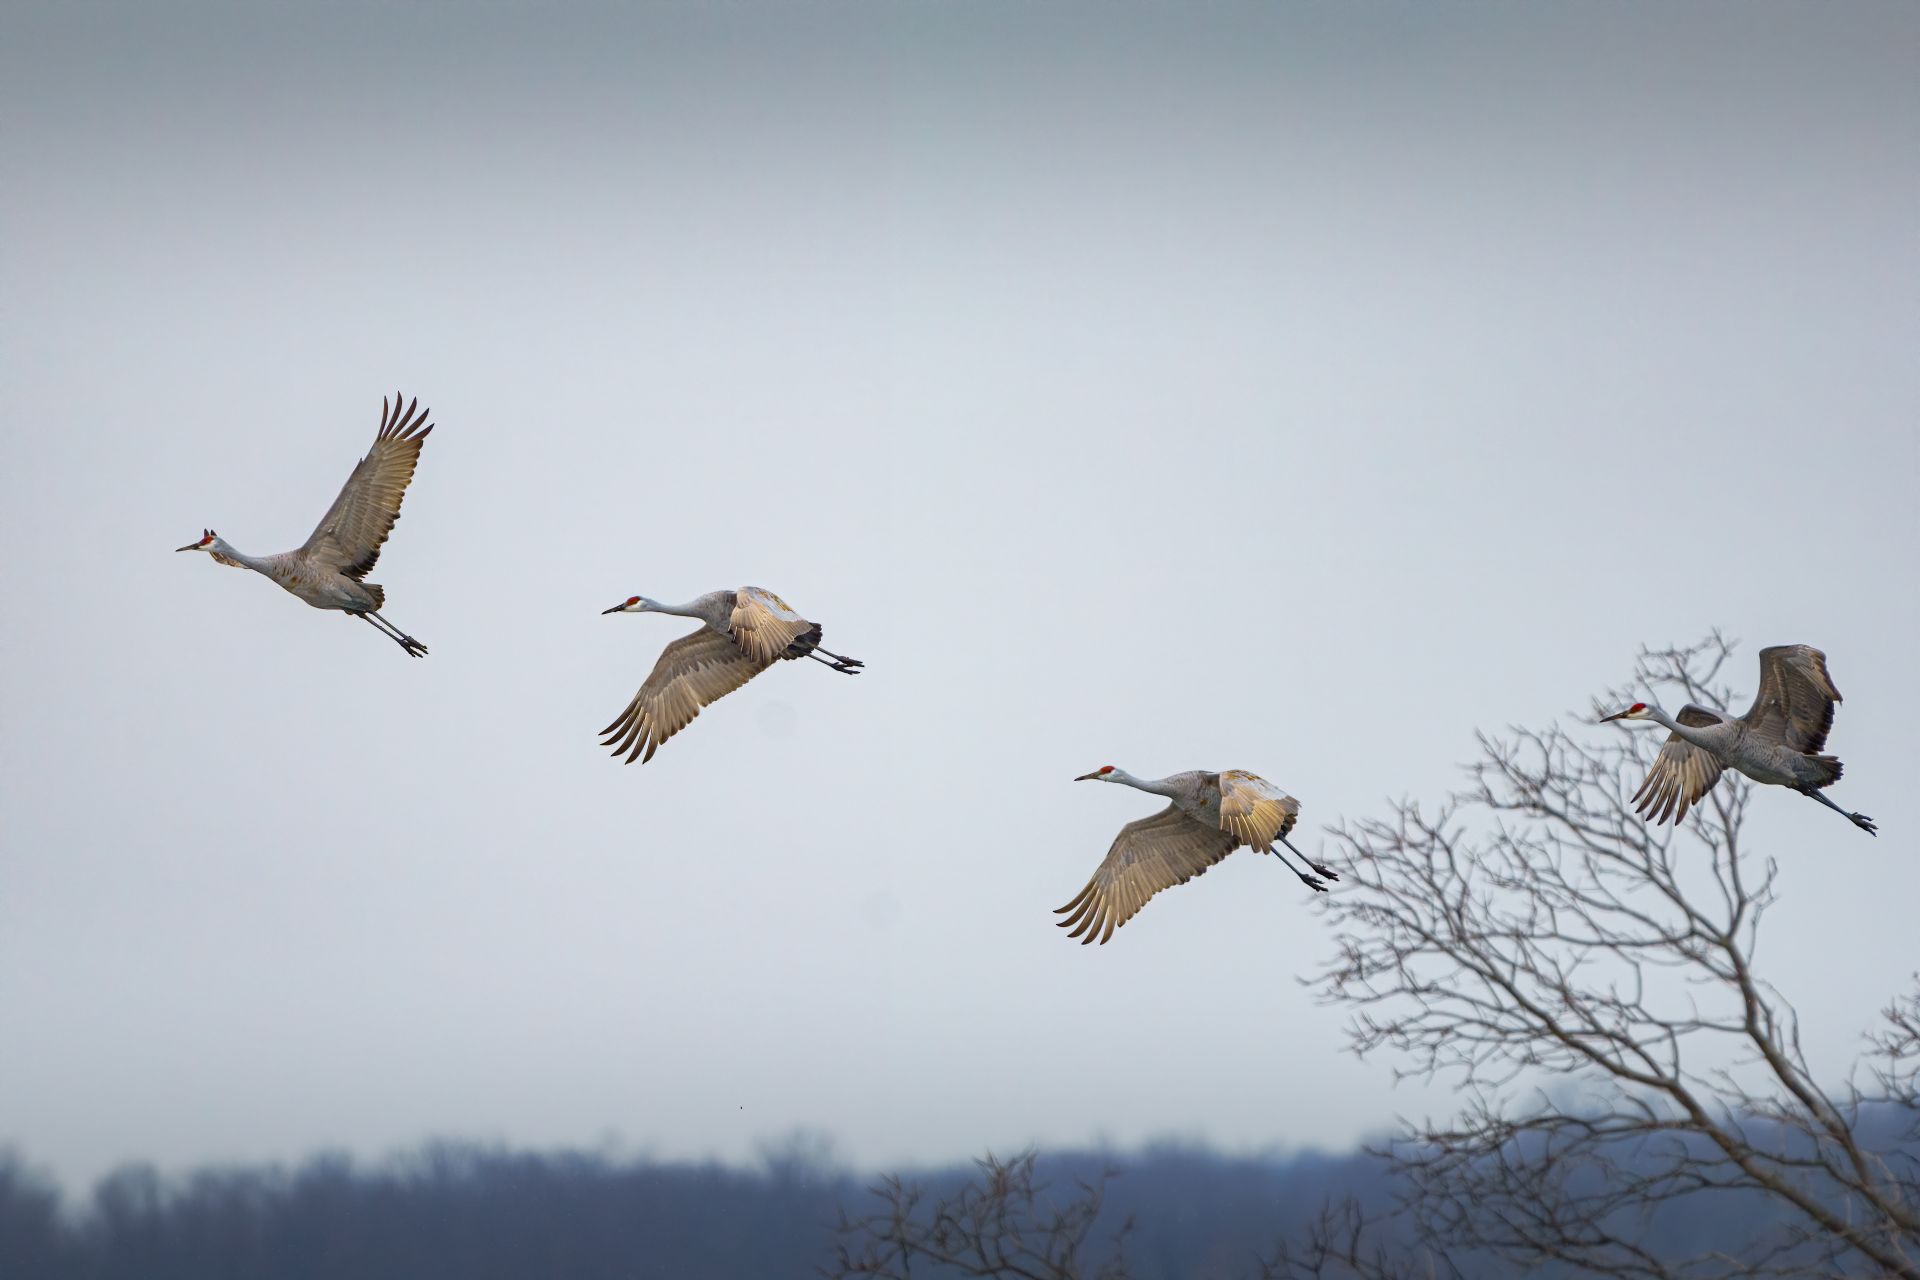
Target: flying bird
[
  {"x": 1777, "y": 742},
  {"x": 1212, "y": 814},
  {"x": 329, "y": 569},
  {"x": 743, "y": 633}
]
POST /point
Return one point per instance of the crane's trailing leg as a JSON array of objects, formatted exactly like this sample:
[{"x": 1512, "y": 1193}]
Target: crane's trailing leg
[
  {"x": 841, "y": 658},
  {"x": 1328, "y": 872},
  {"x": 839, "y": 665},
  {"x": 413, "y": 648},
  {"x": 387, "y": 629},
  {"x": 1859, "y": 820},
  {"x": 1312, "y": 882},
  {"x": 381, "y": 625}
]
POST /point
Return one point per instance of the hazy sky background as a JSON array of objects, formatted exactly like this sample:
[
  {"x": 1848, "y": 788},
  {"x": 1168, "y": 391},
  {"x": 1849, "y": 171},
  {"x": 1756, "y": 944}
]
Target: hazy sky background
[{"x": 1286, "y": 387}]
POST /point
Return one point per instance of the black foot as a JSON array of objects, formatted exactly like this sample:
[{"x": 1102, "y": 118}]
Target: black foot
[
  {"x": 1863, "y": 822},
  {"x": 413, "y": 647},
  {"x": 1312, "y": 882},
  {"x": 1328, "y": 872}
]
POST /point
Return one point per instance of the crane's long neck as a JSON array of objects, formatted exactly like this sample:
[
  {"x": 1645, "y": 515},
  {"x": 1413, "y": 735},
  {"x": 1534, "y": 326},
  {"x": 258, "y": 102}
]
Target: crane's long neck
[
  {"x": 226, "y": 553},
  {"x": 1158, "y": 786},
  {"x": 1687, "y": 732},
  {"x": 691, "y": 609}
]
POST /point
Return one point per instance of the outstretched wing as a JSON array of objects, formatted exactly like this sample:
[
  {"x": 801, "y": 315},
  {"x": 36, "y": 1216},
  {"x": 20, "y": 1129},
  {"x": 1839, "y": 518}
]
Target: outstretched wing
[
  {"x": 764, "y": 624},
  {"x": 349, "y": 536},
  {"x": 1795, "y": 703},
  {"x": 693, "y": 671},
  {"x": 1254, "y": 810},
  {"x": 1681, "y": 773},
  {"x": 1147, "y": 856}
]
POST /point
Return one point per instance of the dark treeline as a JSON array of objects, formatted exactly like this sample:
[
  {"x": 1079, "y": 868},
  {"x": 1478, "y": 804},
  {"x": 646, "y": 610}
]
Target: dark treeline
[{"x": 483, "y": 1213}]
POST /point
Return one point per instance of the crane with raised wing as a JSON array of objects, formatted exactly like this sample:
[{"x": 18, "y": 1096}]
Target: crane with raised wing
[
  {"x": 1777, "y": 742},
  {"x": 329, "y": 569}
]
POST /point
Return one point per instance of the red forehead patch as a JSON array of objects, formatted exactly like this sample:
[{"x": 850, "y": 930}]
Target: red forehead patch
[
  {"x": 1106, "y": 768},
  {"x": 633, "y": 599},
  {"x": 1638, "y": 706}
]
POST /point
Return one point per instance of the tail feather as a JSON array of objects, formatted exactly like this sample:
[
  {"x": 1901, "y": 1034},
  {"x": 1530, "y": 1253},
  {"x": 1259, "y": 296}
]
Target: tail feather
[
  {"x": 804, "y": 643},
  {"x": 378, "y": 592},
  {"x": 1830, "y": 770}
]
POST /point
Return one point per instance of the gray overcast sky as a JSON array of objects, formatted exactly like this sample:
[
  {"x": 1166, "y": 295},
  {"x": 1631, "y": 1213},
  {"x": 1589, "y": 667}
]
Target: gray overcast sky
[{"x": 1286, "y": 387}]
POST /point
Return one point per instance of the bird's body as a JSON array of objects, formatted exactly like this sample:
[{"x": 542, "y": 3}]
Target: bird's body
[
  {"x": 328, "y": 571},
  {"x": 1210, "y": 815},
  {"x": 1195, "y": 793},
  {"x": 1772, "y": 763},
  {"x": 301, "y": 574},
  {"x": 743, "y": 632},
  {"x": 1776, "y": 743}
]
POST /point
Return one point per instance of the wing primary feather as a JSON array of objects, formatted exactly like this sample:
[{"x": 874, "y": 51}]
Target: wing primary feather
[{"x": 1148, "y": 855}]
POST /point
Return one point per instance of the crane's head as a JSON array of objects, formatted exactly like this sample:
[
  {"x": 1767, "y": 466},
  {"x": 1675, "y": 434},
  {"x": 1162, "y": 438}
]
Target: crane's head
[
  {"x": 205, "y": 544},
  {"x": 1103, "y": 774},
  {"x": 632, "y": 604},
  {"x": 1638, "y": 711}
]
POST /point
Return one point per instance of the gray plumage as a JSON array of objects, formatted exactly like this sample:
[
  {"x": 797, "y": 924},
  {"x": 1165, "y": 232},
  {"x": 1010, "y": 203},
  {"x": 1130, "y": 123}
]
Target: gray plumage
[
  {"x": 1210, "y": 816},
  {"x": 329, "y": 569},
  {"x": 743, "y": 632},
  {"x": 1777, "y": 742}
]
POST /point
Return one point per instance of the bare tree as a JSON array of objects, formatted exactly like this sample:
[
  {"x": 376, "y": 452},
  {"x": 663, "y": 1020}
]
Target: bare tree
[
  {"x": 1003, "y": 1222},
  {"x": 1589, "y": 983}
]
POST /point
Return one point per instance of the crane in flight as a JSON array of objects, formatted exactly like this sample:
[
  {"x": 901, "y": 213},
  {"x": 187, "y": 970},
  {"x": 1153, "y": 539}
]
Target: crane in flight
[
  {"x": 742, "y": 633},
  {"x": 329, "y": 569},
  {"x": 1210, "y": 816},
  {"x": 1776, "y": 742}
]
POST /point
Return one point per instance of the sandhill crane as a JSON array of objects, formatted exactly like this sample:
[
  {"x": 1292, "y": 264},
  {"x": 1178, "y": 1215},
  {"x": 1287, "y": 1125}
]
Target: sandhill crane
[
  {"x": 1776, "y": 742},
  {"x": 1212, "y": 814},
  {"x": 328, "y": 569},
  {"x": 743, "y": 633}
]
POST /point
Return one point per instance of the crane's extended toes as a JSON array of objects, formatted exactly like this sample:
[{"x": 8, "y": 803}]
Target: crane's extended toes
[
  {"x": 1328, "y": 872},
  {"x": 1312, "y": 882},
  {"x": 1865, "y": 823}
]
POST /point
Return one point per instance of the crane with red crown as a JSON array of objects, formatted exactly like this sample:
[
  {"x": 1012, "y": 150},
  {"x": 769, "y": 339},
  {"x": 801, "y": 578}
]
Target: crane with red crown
[
  {"x": 329, "y": 569},
  {"x": 743, "y": 632},
  {"x": 1777, "y": 742},
  {"x": 1210, "y": 815}
]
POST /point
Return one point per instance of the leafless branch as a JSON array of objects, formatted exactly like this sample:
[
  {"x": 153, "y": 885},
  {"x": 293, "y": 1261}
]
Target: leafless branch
[{"x": 1003, "y": 1222}]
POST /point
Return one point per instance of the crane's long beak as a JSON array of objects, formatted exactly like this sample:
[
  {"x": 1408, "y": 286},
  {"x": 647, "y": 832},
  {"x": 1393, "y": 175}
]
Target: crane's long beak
[
  {"x": 1086, "y": 777},
  {"x": 1615, "y": 716},
  {"x": 191, "y": 546},
  {"x": 617, "y": 608}
]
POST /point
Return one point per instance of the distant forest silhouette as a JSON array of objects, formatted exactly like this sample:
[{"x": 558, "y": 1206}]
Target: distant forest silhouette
[{"x": 481, "y": 1212}]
